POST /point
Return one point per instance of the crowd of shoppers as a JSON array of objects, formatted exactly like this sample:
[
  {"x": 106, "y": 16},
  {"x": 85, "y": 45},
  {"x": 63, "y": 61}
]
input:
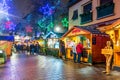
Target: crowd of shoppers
[{"x": 30, "y": 47}]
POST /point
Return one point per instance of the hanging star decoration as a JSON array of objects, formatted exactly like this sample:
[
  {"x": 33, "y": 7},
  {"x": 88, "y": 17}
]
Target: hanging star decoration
[
  {"x": 29, "y": 28},
  {"x": 47, "y": 10},
  {"x": 8, "y": 24},
  {"x": 65, "y": 22},
  {"x": 3, "y": 9}
]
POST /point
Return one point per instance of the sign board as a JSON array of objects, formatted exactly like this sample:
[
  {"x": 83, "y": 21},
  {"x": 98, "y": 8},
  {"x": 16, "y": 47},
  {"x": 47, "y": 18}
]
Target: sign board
[
  {"x": 107, "y": 51},
  {"x": 77, "y": 31}
]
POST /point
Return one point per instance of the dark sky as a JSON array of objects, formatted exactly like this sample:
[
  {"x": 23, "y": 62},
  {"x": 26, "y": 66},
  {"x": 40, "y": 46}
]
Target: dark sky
[
  {"x": 23, "y": 7},
  {"x": 26, "y": 6}
]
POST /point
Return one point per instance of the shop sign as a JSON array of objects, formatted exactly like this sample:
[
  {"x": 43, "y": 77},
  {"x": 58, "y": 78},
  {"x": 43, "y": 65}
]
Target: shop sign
[
  {"x": 107, "y": 51},
  {"x": 77, "y": 31}
]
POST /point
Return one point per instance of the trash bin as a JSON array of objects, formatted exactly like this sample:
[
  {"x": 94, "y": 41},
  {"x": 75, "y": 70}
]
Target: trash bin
[{"x": 3, "y": 57}]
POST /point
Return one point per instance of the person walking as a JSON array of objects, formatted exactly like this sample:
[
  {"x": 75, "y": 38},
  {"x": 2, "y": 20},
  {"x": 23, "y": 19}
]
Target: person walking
[
  {"x": 79, "y": 49},
  {"x": 28, "y": 48},
  {"x": 37, "y": 48},
  {"x": 32, "y": 48}
]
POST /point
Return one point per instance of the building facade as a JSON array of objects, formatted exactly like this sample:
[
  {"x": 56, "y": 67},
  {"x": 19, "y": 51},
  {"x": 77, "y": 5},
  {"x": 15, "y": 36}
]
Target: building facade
[
  {"x": 93, "y": 12},
  {"x": 102, "y": 14}
]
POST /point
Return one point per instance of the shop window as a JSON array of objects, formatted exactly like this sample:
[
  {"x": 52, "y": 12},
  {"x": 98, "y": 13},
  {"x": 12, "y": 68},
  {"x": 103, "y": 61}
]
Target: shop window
[
  {"x": 87, "y": 7},
  {"x": 75, "y": 15},
  {"x": 102, "y": 2}
]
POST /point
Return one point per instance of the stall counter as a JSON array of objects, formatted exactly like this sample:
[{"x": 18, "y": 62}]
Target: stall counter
[
  {"x": 69, "y": 54},
  {"x": 85, "y": 55}
]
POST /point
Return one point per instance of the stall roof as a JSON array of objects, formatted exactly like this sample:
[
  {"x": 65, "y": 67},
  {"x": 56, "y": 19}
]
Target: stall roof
[
  {"x": 114, "y": 25},
  {"x": 7, "y": 38},
  {"x": 91, "y": 29},
  {"x": 83, "y": 30},
  {"x": 51, "y": 35}
]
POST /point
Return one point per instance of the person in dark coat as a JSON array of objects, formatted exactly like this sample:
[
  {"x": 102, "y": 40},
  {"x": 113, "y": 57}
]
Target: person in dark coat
[
  {"x": 28, "y": 48},
  {"x": 37, "y": 48},
  {"x": 31, "y": 48},
  {"x": 62, "y": 49}
]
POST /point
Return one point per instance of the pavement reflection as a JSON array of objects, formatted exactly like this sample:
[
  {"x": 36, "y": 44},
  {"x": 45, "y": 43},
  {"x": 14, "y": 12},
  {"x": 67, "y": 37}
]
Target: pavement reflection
[{"x": 39, "y": 67}]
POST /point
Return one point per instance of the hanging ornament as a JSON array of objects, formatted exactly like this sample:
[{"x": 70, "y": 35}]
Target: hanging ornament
[
  {"x": 8, "y": 24},
  {"x": 29, "y": 28}
]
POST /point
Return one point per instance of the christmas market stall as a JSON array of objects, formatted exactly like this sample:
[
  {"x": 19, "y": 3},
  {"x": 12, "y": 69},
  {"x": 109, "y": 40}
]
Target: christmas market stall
[
  {"x": 92, "y": 39},
  {"x": 114, "y": 31},
  {"x": 6, "y": 44},
  {"x": 52, "y": 44},
  {"x": 42, "y": 43}
]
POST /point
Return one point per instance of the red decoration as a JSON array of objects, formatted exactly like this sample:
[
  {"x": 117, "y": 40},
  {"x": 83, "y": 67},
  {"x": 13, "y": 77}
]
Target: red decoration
[
  {"x": 76, "y": 30},
  {"x": 7, "y": 24},
  {"x": 29, "y": 29}
]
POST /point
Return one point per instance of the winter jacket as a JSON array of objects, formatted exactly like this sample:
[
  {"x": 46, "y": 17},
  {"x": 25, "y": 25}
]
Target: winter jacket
[{"x": 79, "y": 48}]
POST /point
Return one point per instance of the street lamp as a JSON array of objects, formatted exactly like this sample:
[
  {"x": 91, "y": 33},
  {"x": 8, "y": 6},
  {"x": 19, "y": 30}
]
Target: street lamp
[{"x": 59, "y": 29}]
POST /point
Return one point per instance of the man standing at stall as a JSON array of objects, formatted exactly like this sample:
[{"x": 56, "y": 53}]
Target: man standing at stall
[{"x": 79, "y": 49}]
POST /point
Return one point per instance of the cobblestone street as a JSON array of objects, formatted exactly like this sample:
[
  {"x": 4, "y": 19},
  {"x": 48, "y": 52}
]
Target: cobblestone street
[{"x": 39, "y": 67}]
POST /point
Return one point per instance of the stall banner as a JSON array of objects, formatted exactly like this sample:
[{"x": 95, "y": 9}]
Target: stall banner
[
  {"x": 7, "y": 38},
  {"x": 107, "y": 51}
]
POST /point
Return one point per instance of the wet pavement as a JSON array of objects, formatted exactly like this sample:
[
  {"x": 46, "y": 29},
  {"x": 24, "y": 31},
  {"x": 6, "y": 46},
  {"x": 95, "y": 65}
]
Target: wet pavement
[{"x": 39, "y": 67}]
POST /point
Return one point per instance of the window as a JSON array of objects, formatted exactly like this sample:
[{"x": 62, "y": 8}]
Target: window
[
  {"x": 105, "y": 9},
  {"x": 87, "y": 7},
  {"x": 75, "y": 15},
  {"x": 94, "y": 40},
  {"x": 102, "y": 2}
]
